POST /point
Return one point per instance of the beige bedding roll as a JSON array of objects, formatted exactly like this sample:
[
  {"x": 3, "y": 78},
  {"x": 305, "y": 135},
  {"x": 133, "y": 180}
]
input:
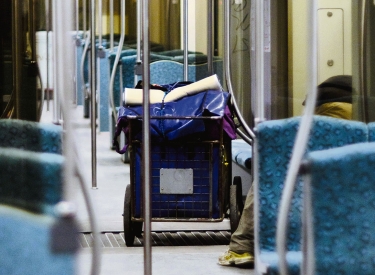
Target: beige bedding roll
[{"x": 135, "y": 96}]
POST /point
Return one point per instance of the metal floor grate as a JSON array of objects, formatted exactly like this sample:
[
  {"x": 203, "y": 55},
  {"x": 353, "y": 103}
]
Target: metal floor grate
[{"x": 192, "y": 238}]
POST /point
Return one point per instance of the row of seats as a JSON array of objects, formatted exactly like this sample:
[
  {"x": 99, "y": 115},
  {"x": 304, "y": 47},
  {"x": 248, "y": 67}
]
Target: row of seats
[
  {"x": 31, "y": 162},
  {"x": 166, "y": 67},
  {"x": 275, "y": 143}
]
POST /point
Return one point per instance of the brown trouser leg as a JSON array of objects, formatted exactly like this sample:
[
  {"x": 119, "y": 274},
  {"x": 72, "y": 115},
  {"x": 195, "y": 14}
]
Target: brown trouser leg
[{"x": 242, "y": 240}]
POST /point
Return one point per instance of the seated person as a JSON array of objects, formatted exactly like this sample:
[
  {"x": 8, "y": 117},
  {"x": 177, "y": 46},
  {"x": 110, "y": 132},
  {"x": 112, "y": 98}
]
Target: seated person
[{"x": 334, "y": 99}]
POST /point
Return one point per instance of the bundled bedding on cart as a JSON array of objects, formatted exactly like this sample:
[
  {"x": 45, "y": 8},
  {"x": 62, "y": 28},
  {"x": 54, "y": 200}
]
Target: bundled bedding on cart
[{"x": 182, "y": 104}]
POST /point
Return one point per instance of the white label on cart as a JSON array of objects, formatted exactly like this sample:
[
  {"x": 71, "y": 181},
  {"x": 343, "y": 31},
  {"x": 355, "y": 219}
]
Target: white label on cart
[{"x": 176, "y": 181}]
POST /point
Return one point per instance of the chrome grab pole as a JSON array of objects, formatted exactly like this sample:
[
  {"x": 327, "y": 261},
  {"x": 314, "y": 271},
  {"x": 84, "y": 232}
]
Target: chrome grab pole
[
  {"x": 84, "y": 18},
  {"x": 17, "y": 52},
  {"x": 86, "y": 35},
  {"x": 115, "y": 64},
  {"x": 101, "y": 52},
  {"x": 146, "y": 144},
  {"x": 100, "y": 23},
  {"x": 302, "y": 138},
  {"x": 139, "y": 30},
  {"x": 138, "y": 64},
  {"x": 186, "y": 40},
  {"x": 259, "y": 61},
  {"x": 32, "y": 39},
  {"x": 210, "y": 23},
  {"x": 62, "y": 10},
  {"x": 76, "y": 15},
  {"x": 48, "y": 29},
  {"x": 249, "y": 136},
  {"x": 73, "y": 164},
  {"x": 111, "y": 22},
  {"x": 93, "y": 94},
  {"x": 362, "y": 68},
  {"x": 56, "y": 98}
]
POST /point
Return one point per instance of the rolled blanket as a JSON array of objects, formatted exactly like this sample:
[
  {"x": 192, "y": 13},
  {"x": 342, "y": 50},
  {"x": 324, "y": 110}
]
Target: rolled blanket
[{"x": 135, "y": 96}]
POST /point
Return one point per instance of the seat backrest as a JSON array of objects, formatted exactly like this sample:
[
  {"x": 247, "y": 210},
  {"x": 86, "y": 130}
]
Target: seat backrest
[
  {"x": 371, "y": 131},
  {"x": 30, "y": 180},
  {"x": 30, "y": 135},
  {"x": 342, "y": 197},
  {"x": 25, "y": 245},
  {"x": 166, "y": 72},
  {"x": 275, "y": 143}
]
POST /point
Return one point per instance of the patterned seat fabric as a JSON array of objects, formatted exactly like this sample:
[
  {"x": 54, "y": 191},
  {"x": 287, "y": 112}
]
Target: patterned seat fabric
[
  {"x": 25, "y": 245},
  {"x": 30, "y": 180},
  {"x": 343, "y": 206},
  {"x": 371, "y": 131},
  {"x": 30, "y": 135},
  {"x": 276, "y": 140}
]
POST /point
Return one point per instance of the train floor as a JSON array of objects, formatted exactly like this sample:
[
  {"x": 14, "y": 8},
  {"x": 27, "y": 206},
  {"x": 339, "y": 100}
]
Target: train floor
[{"x": 178, "y": 247}]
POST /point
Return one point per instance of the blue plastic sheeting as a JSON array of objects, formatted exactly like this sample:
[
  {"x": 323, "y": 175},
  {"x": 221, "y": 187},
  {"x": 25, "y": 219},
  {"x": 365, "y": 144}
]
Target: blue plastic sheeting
[{"x": 207, "y": 103}]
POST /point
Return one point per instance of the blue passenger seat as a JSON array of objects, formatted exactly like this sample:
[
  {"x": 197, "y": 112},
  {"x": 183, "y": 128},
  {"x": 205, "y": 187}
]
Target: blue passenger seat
[
  {"x": 31, "y": 164},
  {"x": 275, "y": 144},
  {"x": 241, "y": 153},
  {"x": 31, "y": 135},
  {"x": 341, "y": 196},
  {"x": 25, "y": 248},
  {"x": 30, "y": 180}
]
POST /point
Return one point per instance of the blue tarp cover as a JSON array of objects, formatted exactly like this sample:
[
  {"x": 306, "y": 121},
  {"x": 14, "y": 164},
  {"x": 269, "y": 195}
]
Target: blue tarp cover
[{"x": 207, "y": 103}]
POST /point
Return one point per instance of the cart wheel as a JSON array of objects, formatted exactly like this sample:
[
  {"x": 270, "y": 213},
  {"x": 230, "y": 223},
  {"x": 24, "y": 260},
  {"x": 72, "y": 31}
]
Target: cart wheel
[
  {"x": 235, "y": 203},
  {"x": 131, "y": 229}
]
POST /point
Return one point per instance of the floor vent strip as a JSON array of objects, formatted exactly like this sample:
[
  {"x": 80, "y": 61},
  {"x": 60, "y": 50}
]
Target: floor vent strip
[{"x": 193, "y": 238}]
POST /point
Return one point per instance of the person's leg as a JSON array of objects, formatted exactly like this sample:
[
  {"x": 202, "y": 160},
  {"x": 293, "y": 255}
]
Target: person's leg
[
  {"x": 241, "y": 246},
  {"x": 242, "y": 240}
]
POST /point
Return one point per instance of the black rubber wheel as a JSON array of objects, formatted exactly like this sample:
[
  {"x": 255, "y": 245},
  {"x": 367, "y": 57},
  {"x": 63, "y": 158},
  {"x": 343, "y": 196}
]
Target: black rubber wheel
[
  {"x": 235, "y": 203},
  {"x": 131, "y": 229},
  {"x": 128, "y": 224}
]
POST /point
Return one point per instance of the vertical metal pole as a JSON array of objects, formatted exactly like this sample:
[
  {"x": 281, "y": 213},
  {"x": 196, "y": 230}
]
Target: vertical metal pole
[
  {"x": 93, "y": 93},
  {"x": 146, "y": 144},
  {"x": 139, "y": 30},
  {"x": 62, "y": 11},
  {"x": 138, "y": 64},
  {"x": 111, "y": 22},
  {"x": 32, "y": 15},
  {"x": 17, "y": 53},
  {"x": 259, "y": 49},
  {"x": 115, "y": 64},
  {"x": 210, "y": 20},
  {"x": 56, "y": 80},
  {"x": 48, "y": 29},
  {"x": 186, "y": 40},
  {"x": 302, "y": 137},
  {"x": 227, "y": 59},
  {"x": 362, "y": 68},
  {"x": 32, "y": 33},
  {"x": 77, "y": 17},
  {"x": 84, "y": 17},
  {"x": 64, "y": 61},
  {"x": 100, "y": 23}
]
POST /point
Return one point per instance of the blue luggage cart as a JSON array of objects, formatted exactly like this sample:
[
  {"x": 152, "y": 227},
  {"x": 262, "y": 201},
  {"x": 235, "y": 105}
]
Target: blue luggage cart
[{"x": 190, "y": 158}]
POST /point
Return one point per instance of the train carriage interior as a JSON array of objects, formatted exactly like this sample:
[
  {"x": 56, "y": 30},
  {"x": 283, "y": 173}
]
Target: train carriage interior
[{"x": 190, "y": 126}]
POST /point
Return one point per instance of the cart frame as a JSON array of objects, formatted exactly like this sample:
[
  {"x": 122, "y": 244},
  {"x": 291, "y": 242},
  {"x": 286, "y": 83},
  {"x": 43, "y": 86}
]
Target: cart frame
[{"x": 207, "y": 158}]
